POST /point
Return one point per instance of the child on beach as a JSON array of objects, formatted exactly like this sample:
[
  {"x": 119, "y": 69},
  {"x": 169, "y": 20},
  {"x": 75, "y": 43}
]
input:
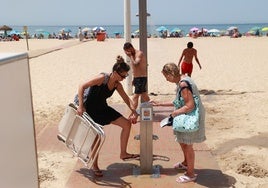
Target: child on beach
[{"x": 102, "y": 87}]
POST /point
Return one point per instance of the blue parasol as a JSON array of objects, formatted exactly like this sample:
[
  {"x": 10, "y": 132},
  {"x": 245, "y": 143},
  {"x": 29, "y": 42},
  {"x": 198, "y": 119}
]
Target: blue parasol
[{"x": 161, "y": 29}]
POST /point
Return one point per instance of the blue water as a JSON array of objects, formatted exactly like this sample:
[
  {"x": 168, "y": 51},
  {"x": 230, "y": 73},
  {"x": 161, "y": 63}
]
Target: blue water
[{"x": 112, "y": 29}]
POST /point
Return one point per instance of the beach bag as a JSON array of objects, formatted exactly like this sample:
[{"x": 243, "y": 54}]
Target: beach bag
[
  {"x": 186, "y": 122},
  {"x": 86, "y": 91}
]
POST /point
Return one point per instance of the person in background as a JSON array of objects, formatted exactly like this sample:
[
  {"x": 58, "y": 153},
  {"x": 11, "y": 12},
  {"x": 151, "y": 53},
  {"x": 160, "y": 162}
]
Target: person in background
[
  {"x": 186, "y": 139},
  {"x": 139, "y": 68},
  {"x": 187, "y": 55},
  {"x": 102, "y": 87},
  {"x": 80, "y": 34}
]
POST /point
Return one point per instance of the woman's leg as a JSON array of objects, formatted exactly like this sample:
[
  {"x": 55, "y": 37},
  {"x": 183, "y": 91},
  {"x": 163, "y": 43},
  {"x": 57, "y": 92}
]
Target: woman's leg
[
  {"x": 95, "y": 166},
  {"x": 184, "y": 154},
  {"x": 190, "y": 158},
  {"x": 95, "y": 145},
  {"x": 126, "y": 126}
]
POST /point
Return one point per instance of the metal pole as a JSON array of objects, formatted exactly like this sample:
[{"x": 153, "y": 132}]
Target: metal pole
[
  {"x": 127, "y": 32},
  {"x": 143, "y": 26},
  {"x": 27, "y": 40},
  {"x": 146, "y": 128},
  {"x": 25, "y": 28}
]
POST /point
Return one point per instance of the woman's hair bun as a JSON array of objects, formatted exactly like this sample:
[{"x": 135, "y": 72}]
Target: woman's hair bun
[
  {"x": 120, "y": 59},
  {"x": 120, "y": 65}
]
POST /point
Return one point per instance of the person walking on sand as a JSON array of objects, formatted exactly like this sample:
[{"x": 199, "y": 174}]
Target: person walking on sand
[
  {"x": 187, "y": 55},
  {"x": 139, "y": 68},
  {"x": 102, "y": 87},
  {"x": 186, "y": 139}
]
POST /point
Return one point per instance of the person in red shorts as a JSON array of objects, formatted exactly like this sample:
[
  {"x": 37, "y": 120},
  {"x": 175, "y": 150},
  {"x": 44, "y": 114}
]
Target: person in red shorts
[{"x": 187, "y": 56}]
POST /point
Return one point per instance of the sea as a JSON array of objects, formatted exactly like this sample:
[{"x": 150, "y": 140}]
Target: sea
[{"x": 112, "y": 30}]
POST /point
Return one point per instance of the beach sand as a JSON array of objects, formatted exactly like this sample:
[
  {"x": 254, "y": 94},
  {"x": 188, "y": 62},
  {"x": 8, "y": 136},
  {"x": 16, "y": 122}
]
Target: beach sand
[{"x": 233, "y": 83}]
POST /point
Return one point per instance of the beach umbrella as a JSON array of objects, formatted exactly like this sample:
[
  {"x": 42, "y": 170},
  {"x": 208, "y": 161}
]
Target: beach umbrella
[
  {"x": 42, "y": 31},
  {"x": 97, "y": 29},
  {"x": 117, "y": 34},
  {"x": 66, "y": 30},
  {"x": 39, "y": 30},
  {"x": 161, "y": 28},
  {"x": 213, "y": 31},
  {"x": 264, "y": 29},
  {"x": 46, "y": 33},
  {"x": 254, "y": 31},
  {"x": 232, "y": 28},
  {"x": 204, "y": 30},
  {"x": 86, "y": 29},
  {"x": 194, "y": 29},
  {"x": 176, "y": 29},
  {"x": 251, "y": 32},
  {"x": 14, "y": 32},
  {"x": 256, "y": 28},
  {"x": 5, "y": 28}
]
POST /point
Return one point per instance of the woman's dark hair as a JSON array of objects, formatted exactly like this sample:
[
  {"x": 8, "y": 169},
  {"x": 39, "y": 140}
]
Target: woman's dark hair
[{"x": 120, "y": 65}]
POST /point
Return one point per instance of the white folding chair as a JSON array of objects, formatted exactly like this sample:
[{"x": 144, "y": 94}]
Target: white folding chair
[{"x": 81, "y": 135}]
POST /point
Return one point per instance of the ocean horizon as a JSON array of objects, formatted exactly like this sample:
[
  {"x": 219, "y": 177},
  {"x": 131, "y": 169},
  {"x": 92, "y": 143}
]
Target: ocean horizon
[{"x": 111, "y": 30}]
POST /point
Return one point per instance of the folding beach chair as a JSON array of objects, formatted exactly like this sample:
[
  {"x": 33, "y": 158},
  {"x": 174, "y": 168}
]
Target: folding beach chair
[
  {"x": 67, "y": 122},
  {"x": 81, "y": 135}
]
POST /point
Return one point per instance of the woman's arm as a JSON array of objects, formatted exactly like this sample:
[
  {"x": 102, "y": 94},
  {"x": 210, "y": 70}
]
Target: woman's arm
[
  {"x": 134, "y": 115},
  {"x": 160, "y": 103},
  {"x": 125, "y": 97},
  {"x": 94, "y": 81}
]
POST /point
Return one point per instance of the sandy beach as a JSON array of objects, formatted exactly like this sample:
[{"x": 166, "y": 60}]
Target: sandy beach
[{"x": 233, "y": 83}]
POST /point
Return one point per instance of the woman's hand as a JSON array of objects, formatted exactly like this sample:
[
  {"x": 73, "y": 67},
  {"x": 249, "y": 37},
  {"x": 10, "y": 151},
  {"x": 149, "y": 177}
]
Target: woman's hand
[
  {"x": 80, "y": 110},
  {"x": 154, "y": 103},
  {"x": 133, "y": 117},
  {"x": 173, "y": 114}
]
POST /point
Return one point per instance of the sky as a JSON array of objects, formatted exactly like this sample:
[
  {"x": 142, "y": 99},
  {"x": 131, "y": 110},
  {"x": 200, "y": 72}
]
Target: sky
[{"x": 111, "y": 12}]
